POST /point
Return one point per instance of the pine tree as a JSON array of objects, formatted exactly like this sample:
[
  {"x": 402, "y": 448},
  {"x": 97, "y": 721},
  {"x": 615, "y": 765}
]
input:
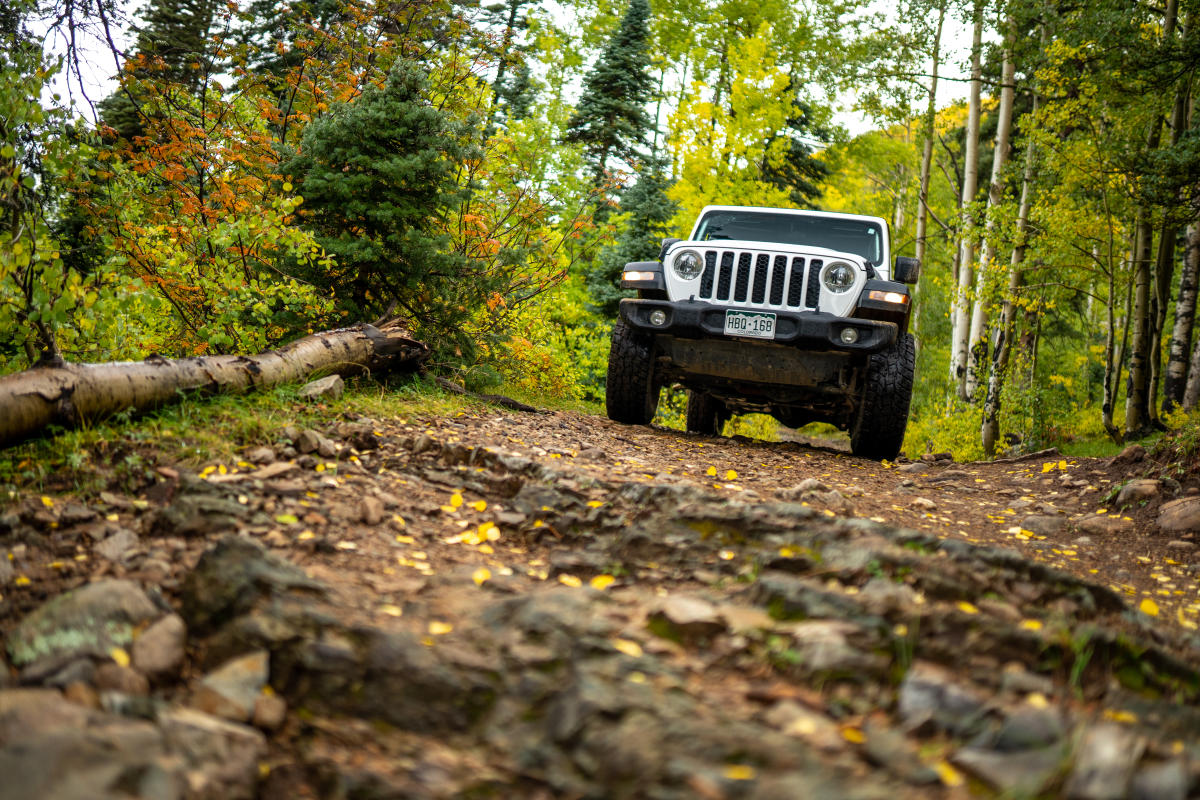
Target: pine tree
[
  {"x": 376, "y": 176},
  {"x": 649, "y": 210},
  {"x": 799, "y": 173},
  {"x": 173, "y": 45},
  {"x": 611, "y": 119}
]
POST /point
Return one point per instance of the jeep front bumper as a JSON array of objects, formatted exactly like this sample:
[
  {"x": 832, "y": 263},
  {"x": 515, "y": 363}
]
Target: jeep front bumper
[{"x": 806, "y": 330}]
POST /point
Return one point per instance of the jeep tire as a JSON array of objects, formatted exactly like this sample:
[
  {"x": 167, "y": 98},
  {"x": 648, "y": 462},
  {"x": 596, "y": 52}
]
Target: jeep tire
[
  {"x": 878, "y": 431},
  {"x": 631, "y": 395},
  {"x": 705, "y": 413}
]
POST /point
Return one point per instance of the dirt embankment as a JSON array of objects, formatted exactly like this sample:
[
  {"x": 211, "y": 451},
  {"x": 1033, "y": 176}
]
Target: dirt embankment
[{"x": 553, "y": 605}]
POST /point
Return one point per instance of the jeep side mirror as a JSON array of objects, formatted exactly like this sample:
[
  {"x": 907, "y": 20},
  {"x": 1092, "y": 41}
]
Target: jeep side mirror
[
  {"x": 907, "y": 270},
  {"x": 666, "y": 244}
]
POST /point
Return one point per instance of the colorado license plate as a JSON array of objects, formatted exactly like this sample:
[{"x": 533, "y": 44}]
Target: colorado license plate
[{"x": 748, "y": 323}]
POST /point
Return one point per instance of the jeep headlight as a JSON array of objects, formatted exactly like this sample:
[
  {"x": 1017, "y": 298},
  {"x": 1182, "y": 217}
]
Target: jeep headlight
[
  {"x": 838, "y": 276},
  {"x": 688, "y": 265}
]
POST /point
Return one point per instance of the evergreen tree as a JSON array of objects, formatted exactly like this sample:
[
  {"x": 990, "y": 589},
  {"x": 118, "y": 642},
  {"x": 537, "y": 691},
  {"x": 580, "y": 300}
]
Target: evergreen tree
[
  {"x": 377, "y": 175},
  {"x": 799, "y": 173},
  {"x": 611, "y": 119},
  {"x": 173, "y": 45},
  {"x": 650, "y": 211}
]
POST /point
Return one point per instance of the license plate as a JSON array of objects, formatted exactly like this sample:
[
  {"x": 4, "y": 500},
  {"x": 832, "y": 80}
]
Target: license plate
[{"x": 748, "y": 323}]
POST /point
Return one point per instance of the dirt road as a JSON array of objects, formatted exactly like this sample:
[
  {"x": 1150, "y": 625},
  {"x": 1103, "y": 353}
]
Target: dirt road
[{"x": 553, "y": 605}]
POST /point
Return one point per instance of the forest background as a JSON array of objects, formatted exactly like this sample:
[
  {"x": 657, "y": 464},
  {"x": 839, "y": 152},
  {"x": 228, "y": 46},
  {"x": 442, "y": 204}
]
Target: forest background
[{"x": 265, "y": 170}]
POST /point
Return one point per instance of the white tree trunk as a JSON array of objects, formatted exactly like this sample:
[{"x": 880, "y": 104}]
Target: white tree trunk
[
  {"x": 961, "y": 309},
  {"x": 74, "y": 393},
  {"x": 977, "y": 343}
]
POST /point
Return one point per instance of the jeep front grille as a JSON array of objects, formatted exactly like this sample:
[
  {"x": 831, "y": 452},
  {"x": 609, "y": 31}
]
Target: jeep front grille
[{"x": 748, "y": 278}]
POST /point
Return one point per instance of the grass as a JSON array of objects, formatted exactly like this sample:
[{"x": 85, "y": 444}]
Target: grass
[{"x": 123, "y": 451}]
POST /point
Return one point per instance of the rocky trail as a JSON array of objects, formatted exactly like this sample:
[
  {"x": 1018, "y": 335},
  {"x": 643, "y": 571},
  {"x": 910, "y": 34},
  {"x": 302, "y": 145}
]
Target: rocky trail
[{"x": 550, "y": 605}]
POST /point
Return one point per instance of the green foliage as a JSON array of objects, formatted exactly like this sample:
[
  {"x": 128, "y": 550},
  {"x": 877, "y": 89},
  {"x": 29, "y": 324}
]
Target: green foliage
[
  {"x": 376, "y": 176},
  {"x": 611, "y": 119},
  {"x": 646, "y": 213}
]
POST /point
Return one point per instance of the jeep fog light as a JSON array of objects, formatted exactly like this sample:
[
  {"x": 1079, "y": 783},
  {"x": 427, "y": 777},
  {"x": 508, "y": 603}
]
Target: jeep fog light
[
  {"x": 848, "y": 336},
  {"x": 898, "y": 298},
  {"x": 688, "y": 265},
  {"x": 658, "y": 317},
  {"x": 838, "y": 277}
]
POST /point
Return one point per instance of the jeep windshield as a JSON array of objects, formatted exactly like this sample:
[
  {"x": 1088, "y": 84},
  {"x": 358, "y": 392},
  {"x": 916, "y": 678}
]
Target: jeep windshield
[{"x": 858, "y": 237}]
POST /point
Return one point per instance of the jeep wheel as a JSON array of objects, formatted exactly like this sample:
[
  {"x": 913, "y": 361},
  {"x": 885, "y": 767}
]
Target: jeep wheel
[
  {"x": 632, "y": 392},
  {"x": 705, "y": 413},
  {"x": 878, "y": 432}
]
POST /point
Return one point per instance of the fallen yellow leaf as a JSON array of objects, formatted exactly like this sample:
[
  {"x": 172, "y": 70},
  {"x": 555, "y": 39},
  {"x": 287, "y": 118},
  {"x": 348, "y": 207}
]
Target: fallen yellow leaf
[
  {"x": 731, "y": 475},
  {"x": 854, "y": 735},
  {"x": 601, "y": 582},
  {"x": 628, "y": 647},
  {"x": 479, "y": 505},
  {"x": 391, "y": 610},
  {"x": 967, "y": 608},
  {"x": 1149, "y": 607},
  {"x": 570, "y": 580},
  {"x": 949, "y": 775},
  {"x": 595, "y": 503},
  {"x": 456, "y": 500},
  {"x": 440, "y": 628},
  {"x": 47, "y": 501},
  {"x": 1031, "y": 624},
  {"x": 740, "y": 772},
  {"x": 119, "y": 655},
  {"x": 481, "y": 576},
  {"x": 711, "y": 471}
]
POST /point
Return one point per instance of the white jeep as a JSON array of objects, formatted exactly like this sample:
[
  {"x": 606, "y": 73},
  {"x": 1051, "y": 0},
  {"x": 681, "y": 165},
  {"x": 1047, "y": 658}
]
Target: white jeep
[{"x": 797, "y": 314}]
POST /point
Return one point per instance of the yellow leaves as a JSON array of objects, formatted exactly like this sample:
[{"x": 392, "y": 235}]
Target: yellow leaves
[
  {"x": 456, "y": 500},
  {"x": 479, "y": 505},
  {"x": 570, "y": 580},
  {"x": 286, "y": 519},
  {"x": 967, "y": 608},
  {"x": 1037, "y": 700},
  {"x": 1031, "y": 625},
  {"x": 711, "y": 472},
  {"x": 595, "y": 503},
  {"x": 1148, "y": 607},
  {"x": 1124, "y": 717},
  {"x": 391, "y": 610},
  {"x": 853, "y": 735},
  {"x": 438, "y": 628},
  {"x": 628, "y": 647},
  {"x": 48, "y": 502},
  {"x": 21, "y": 580},
  {"x": 948, "y": 774},
  {"x": 481, "y": 576},
  {"x": 601, "y": 582},
  {"x": 726, "y": 555},
  {"x": 739, "y": 772},
  {"x": 119, "y": 655},
  {"x": 731, "y": 475}
]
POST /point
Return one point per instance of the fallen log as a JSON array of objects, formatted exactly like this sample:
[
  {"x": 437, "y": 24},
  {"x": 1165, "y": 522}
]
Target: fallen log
[{"x": 70, "y": 394}]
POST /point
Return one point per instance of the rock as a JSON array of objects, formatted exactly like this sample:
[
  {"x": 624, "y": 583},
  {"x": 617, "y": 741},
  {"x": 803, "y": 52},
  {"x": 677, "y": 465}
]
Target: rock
[
  {"x": 891, "y": 749},
  {"x": 930, "y": 696},
  {"x": 689, "y": 617},
  {"x": 823, "y": 646},
  {"x": 1044, "y": 524},
  {"x": 1180, "y": 516},
  {"x": 270, "y": 711},
  {"x": 1165, "y": 781},
  {"x": 7, "y": 573},
  {"x": 1137, "y": 491},
  {"x": 198, "y": 511},
  {"x": 1131, "y": 455},
  {"x": 117, "y": 546},
  {"x": 232, "y": 577},
  {"x": 423, "y": 444},
  {"x": 593, "y": 454},
  {"x": 328, "y": 388},
  {"x": 1082, "y": 541},
  {"x": 1181, "y": 545},
  {"x": 261, "y": 455},
  {"x": 116, "y": 678},
  {"x": 88, "y": 621},
  {"x": 232, "y": 690},
  {"x": 222, "y": 757},
  {"x": 1104, "y": 525},
  {"x": 371, "y": 510},
  {"x": 923, "y": 504},
  {"x": 159, "y": 649},
  {"x": 309, "y": 441},
  {"x": 1104, "y": 763},
  {"x": 1029, "y": 727},
  {"x": 816, "y": 729},
  {"x": 1016, "y": 774}
]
